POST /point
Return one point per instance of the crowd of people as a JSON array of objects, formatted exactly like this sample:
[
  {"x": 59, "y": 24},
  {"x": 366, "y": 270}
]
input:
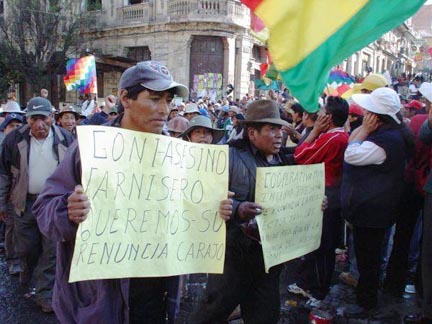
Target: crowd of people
[{"x": 375, "y": 148}]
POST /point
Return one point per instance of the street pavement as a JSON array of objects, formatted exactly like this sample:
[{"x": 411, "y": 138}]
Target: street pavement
[
  {"x": 390, "y": 310},
  {"x": 16, "y": 308}
]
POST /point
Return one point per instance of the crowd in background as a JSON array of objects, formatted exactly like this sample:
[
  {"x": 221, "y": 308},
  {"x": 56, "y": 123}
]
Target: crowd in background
[{"x": 376, "y": 147}]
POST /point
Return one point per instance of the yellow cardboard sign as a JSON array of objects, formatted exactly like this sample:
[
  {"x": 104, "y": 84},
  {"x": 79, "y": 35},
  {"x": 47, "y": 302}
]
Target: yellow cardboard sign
[
  {"x": 291, "y": 223},
  {"x": 154, "y": 205}
]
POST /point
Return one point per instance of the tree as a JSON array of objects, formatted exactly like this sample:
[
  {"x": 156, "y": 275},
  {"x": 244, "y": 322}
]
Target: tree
[{"x": 36, "y": 38}]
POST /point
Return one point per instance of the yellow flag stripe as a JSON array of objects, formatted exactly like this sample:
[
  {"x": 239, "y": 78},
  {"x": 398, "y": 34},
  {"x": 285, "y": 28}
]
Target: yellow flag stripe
[{"x": 298, "y": 27}]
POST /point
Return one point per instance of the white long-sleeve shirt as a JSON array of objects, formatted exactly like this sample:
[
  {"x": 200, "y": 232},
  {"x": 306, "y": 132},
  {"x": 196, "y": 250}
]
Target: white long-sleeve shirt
[{"x": 364, "y": 153}]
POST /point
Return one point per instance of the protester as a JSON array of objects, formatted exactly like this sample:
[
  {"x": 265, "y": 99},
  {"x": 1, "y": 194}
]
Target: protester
[
  {"x": 173, "y": 113},
  {"x": 190, "y": 111},
  {"x": 12, "y": 107},
  {"x": 372, "y": 187},
  {"x": 295, "y": 130},
  {"x": 326, "y": 143},
  {"x": 244, "y": 280},
  {"x": 414, "y": 107},
  {"x": 44, "y": 93},
  {"x": 67, "y": 119},
  {"x": 372, "y": 82},
  {"x": 238, "y": 129},
  {"x": 102, "y": 117},
  {"x": 29, "y": 155},
  {"x": 89, "y": 104},
  {"x": 145, "y": 92},
  {"x": 426, "y": 251},
  {"x": 200, "y": 130},
  {"x": 177, "y": 125},
  {"x": 11, "y": 122},
  {"x": 412, "y": 201},
  {"x": 355, "y": 116}
]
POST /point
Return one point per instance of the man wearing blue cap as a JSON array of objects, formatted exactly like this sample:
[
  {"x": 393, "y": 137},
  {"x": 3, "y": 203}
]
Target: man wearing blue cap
[
  {"x": 11, "y": 122},
  {"x": 145, "y": 93},
  {"x": 29, "y": 155}
]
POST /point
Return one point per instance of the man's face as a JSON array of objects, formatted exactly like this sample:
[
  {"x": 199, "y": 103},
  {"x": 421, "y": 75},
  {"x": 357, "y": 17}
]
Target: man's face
[
  {"x": 68, "y": 121},
  {"x": 173, "y": 113},
  {"x": 39, "y": 125},
  {"x": 268, "y": 140},
  {"x": 352, "y": 118},
  {"x": 201, "y": 135},
  {"x": 11, "y": 126},
  {"x": 189, "y": 116},
  {"x": 148, "y": 113}
]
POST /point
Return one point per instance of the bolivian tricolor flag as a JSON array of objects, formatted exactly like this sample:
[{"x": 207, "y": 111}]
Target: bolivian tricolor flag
[{"x": 309, "y": 37}]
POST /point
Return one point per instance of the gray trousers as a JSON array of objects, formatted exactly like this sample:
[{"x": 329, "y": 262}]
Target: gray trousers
[
  {"x": 427, "y": 257},
  {"x": 37, "y": 252}
]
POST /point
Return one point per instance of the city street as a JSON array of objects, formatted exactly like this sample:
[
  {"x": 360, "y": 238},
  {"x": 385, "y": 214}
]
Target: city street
[{"x": 15, "y": 308}]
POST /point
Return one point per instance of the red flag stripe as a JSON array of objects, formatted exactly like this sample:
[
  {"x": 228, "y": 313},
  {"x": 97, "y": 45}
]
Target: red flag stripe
[{"x": 252, "y": 4}]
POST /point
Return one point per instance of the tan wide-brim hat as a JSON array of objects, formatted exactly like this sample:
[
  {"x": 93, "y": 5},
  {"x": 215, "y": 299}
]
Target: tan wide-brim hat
[
  {"x": 202, "y": 121},
  {"x": 68, "y": 109},
  {"x": 263, "y": 111}
]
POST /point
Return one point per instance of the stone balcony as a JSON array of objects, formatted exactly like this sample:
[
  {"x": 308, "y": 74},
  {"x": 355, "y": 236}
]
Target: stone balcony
[
  {"x": 141, "y": 13},
  {"x": 219, "y": 11}
]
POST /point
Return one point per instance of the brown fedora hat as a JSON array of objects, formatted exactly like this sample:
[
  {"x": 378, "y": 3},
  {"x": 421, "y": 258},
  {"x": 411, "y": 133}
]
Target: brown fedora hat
[{"x": 263, "y": 111}]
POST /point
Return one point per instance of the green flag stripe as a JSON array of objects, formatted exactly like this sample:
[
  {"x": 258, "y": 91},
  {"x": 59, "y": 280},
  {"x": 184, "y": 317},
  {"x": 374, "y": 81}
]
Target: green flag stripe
[{"x": 308, "y": 78}]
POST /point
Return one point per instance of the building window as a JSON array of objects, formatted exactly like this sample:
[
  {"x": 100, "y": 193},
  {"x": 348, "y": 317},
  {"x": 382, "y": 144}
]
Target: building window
[
  {"x": 93, "y": 5},
  {"x": 141, "y": 53},
  {"x": 256, "y": 53},
  {"x": 132, "y": 2}
]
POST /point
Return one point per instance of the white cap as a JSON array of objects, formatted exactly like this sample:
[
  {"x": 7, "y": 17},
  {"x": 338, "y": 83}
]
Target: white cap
[
  {"x": 426, "y": 90},
  {"x": 383, "y": 101}
]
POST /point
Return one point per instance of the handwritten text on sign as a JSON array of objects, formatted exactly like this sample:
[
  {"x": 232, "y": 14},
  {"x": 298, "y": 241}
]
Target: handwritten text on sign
[
  {"x": 154, "y": 205},
  {"x": 291, "y": 223}
]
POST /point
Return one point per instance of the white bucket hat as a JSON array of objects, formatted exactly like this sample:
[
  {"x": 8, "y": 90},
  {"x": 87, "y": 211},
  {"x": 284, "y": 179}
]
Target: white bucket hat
[
  {"x": 383, "y": 101},
  {"x": 426, "y": 90},
  {"x": 12, "y": 107},
  {"x": 191, "y": 108}
]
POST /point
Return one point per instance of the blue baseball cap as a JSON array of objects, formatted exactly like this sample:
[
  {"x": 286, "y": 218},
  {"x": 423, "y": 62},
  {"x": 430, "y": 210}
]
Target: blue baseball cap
[
  {"x": 151, "y": 75},
  {"x": 8, "y": 119},
  {"x": 38, "y": 106}
]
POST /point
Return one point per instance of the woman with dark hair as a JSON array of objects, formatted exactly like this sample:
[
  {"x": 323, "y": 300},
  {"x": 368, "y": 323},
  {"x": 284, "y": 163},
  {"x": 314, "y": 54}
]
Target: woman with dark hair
[
  {"x": 372, "y": 186},
  {"x": 295, "y": 131},
  {"x": 237, "y": 131}
]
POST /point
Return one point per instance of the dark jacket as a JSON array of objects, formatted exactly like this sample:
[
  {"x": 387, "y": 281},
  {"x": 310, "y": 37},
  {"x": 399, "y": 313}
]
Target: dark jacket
[
  {"x": 370, "y": 194},
  {"x": 14, "y": 163},
  {"x": 97, "y": 119},
  {"x": 243, "y": 161}
]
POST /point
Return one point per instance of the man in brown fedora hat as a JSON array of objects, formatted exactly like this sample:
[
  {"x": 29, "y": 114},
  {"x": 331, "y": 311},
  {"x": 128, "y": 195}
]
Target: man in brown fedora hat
[{"x": 244, "y": 280}]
